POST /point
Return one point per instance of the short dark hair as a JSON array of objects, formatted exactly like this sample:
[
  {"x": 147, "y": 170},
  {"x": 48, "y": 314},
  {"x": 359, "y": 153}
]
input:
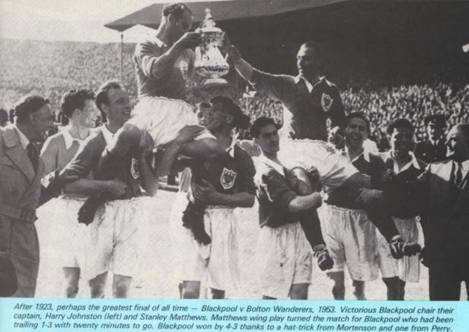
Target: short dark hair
[
  {"x": 176, "y": 9},
  {"x": 261, "y": 123},
  {"x": 359, "y": 115},
  {"x": 74, "y": 99},
  {"x": 102, "y": 94},
  {"x": 28, "y": 105},
  {"x": 400, "y": 123},
  {"x": 241, "y": 121}
]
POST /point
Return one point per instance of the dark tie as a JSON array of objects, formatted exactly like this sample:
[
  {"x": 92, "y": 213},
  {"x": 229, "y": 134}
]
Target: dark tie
[
  {"x": 33, "y": 155},
  {"x": 458, "y": 176}
]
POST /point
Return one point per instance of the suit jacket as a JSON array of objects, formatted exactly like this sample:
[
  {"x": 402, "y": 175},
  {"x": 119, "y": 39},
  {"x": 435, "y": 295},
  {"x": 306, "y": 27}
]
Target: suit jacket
[
  {"x": 445, "y": 210},
  {"x": 19, "y": 196}
]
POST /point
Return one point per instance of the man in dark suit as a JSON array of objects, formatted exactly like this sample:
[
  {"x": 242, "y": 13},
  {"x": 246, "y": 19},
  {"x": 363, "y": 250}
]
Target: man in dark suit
[
  {"x": 20, "y": 173},
  {"x": 433, "y": 149},
  {"x": 445, "y": 215}
]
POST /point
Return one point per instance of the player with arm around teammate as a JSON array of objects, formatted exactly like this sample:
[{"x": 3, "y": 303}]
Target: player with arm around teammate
[
  {"x": 308, "y": 147},
  {"x": 234, "y": 188},
  {"x": 283, "y": 251}
]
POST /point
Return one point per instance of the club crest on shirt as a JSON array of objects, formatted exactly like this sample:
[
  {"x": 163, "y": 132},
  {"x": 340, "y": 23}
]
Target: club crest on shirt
[
  {"x": 326, "y": 102},
  {"x": 227, "y": 178}
]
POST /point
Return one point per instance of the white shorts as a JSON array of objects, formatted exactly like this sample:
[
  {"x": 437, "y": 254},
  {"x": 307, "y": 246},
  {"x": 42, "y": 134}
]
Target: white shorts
[
  {"x": 190, "y": 257},
  {"x": 118, "y": 237},
  {"x": 334, "y": 168},
  {"x": 284, "y": 258},
  {"x": 217, "y": 261},
  {"x": 69, "y": 238},
  {"x": 351, "y": 240},
  {"x": 406, "y": 268},
  {"x": 110, "y": 243},
  {"x": 162, "y": 117}
]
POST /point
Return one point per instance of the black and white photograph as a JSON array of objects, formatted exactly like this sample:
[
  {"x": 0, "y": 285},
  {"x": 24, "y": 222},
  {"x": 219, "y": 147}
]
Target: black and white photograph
[{"x": 234, "y": 149}]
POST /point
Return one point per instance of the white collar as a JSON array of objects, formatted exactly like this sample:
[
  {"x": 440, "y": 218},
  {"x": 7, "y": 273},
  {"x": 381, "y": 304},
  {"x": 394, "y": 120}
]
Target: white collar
[
  {"x": 310, "y": 86},
  {"x": 69, "y": 139},
  {"x": 269, "y": 162},
  {"x": 365, "y": 154},
  {"x": 108, "y": 136},
  {"x": 23, "y": 139},
  {"x": 413, "y": 162},
  {"x": 231, "y": 149}
]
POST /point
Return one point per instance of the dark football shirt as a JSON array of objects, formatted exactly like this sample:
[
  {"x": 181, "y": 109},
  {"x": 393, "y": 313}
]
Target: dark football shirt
[
  {"x": 309, "y": 110},
  {"x": 169, "y": 82}
]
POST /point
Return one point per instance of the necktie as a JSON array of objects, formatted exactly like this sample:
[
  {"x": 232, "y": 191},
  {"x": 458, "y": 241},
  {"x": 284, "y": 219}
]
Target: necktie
[
  {"x": 33, "y": 155},
  {"x": 458, "y": 176}
]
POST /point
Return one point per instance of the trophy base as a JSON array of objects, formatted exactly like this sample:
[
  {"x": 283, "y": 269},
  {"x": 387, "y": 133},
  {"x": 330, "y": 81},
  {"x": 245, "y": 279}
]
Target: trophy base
[{"x": 214, "y": 83}]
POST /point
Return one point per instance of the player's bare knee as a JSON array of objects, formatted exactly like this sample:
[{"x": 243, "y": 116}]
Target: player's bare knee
[
  {"x": 218, "y": 294},
  {"x": 71, "y": 290},
  {"x": 337, "y": 277},
  {"x": 189, "y": 292},
  {"x": 299, "y": 292},
  {"x": 120, "y": 286},
  {"x": 97, "y": 292},
  {"x": 120, "y": 290}
]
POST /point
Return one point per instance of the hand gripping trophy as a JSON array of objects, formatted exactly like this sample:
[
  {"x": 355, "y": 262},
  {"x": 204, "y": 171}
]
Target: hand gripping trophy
[{"x": 209, "y": 62}]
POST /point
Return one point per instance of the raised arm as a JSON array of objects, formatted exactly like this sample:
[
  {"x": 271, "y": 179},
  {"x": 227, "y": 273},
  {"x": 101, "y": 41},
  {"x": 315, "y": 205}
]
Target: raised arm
[
  {"x": 280, "y": 87},
  {"x": 156, "y": 64}
]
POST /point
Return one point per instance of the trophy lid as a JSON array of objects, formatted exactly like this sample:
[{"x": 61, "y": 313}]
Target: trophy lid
[{"x": 208, "y": 24}]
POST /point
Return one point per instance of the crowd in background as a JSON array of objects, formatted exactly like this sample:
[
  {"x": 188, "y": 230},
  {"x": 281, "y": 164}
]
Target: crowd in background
[{"x": 56, "y": 67}]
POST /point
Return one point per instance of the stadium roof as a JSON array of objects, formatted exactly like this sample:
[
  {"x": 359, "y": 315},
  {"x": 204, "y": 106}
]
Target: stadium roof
[
  {"x": 222, "y": 10},
  {"x": 344, "y": 20}
]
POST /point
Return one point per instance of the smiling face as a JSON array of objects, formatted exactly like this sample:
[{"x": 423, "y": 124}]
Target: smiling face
[
  {"x": 118, "y": 108},
  {"x": 356, "y": 133},
  {"x": 203, "y": 114},
  {"x": 401, "y": 141},
  {"x": 268, "y": 139}
]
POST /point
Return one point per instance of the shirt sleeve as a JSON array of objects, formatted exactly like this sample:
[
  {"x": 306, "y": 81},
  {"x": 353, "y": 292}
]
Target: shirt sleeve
[
  {"x": 49, "y": 155},
  {"x": 277, "y": 190},
  {"x": 280, "y": 87},
  {"x": 246, "y": 183},
  {"x": 145, "y": 57},
  {"x": 337, "y": 114},
  {"x": 86, "y": 159}
]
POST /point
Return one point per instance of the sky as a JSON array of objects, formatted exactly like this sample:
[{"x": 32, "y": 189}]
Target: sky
[{"x": 69, "y": 20}]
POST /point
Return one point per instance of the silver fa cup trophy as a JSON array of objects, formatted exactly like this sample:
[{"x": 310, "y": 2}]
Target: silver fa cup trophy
[{"x": 209, "y": 62}]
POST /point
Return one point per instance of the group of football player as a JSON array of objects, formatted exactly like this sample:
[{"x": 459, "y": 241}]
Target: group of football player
[{"x": 323, "y": 189}]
